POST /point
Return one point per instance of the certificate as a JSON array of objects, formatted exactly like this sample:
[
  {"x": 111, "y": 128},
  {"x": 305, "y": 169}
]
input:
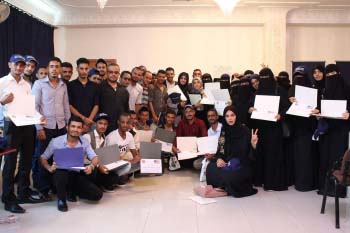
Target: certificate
[
  {"x": 221, "y": 95},
  {"x": 187, "y": 147},
  {"x": 220, "y": 106},
  {"x": 306, "y": 101},
  {"x": 207, "y": 145},
  {"x": 195, "y": 98},
  {"x": 151, "y": 166},
  {"x": 333, "y": 108},
  {"x": 22, "y": 111},
  {"x": 166, "y": 146},
  {"x": 208, "y": 87},
  {"x": 145, "y": 135},
  {"x": 176, "y": 89},
  {"x": 266, "y": 107}
]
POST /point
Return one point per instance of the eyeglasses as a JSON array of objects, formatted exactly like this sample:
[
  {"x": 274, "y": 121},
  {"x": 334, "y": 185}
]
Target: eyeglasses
[{"x": 113, "y": 72}]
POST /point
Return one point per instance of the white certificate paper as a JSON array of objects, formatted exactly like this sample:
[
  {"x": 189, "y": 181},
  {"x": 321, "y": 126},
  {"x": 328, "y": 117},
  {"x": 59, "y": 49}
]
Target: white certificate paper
[
  {"x": 266, "y": 107},
  {"x": 207, "y": 145},
  {"x": 306, "y": 101},
  {"x": 151, "y": 166},
  {"x": 221, "y": 95},
  {"x": 220, "y": 106},
  {"x": 176, "y": 89},
  {"x": 145, "y": 135},
  {"x": 166, "y": 146},
  {"x": 187, "y": 147},
  {"x": 195, "y": 98},
  {"x": 333, "y": 108},
  {"x": 22, "y": 111}
]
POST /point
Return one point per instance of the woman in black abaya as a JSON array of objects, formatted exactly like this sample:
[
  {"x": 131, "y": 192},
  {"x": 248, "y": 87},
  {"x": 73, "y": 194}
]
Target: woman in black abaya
[
  {"x": 242, "y": 100},
  {"x": 304, "y": 158},
  {"x": 334, "y": 142},
  {"x": 231, "y": 167},
  {"x": 270, "y": 171}
]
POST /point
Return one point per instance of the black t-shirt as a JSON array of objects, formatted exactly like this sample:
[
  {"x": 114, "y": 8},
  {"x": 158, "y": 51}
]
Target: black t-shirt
[{"x": 83, "y": 97}]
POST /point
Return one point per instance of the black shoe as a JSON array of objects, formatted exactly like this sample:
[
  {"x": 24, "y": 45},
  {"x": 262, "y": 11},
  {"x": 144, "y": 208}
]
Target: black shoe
[
  {"x": 30, "y": 199},
  {"x": 72, "y": 198},
  {"x": 45, "y": 197},
  {"x": 14, "y": 208},
  {"x": 62, "y": 205},
  {"x": 109, "y": 189}
]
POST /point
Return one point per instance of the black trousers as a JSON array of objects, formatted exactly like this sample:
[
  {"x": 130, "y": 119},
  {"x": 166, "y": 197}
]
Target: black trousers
[
  {"x": 22, "y": 139},
  {"x": 78, "y": 183},
  {"x": 45, "y": 180}
]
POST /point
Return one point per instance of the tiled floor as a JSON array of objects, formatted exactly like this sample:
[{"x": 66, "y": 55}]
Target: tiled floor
[{"x": 161, "y": 204}]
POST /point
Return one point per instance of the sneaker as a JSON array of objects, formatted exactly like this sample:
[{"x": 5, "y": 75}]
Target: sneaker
[{"x": 109, "y": 189}]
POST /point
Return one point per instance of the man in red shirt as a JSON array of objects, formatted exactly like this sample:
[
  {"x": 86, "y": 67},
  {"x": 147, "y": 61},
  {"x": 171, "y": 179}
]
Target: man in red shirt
[{"x": 190, "y": 126}]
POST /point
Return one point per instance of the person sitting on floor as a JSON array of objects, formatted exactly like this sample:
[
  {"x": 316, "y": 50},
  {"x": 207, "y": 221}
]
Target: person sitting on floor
[
  {"x": 79, "y": 182},
  {"x": 231, "y": 167}
]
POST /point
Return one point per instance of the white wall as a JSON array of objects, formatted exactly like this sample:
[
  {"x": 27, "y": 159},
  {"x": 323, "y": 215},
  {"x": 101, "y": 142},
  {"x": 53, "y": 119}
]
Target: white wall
[
  {"x": 320, "y": 43},
  {"x": 214, "y": 49}
]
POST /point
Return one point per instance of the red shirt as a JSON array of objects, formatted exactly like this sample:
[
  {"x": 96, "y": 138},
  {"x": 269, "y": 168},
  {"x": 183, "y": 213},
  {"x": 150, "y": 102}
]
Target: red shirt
[{"x": 196, "y": 129}]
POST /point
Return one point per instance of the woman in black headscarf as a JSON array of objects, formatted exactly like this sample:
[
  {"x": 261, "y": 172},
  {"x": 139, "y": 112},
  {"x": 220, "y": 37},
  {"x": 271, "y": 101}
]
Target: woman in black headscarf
[
  {"x": 270, "y": 171},
  {"x": 334, "y": 142},
  {"x": 243, "y": 99},
  {"x": 319, "y": 82},
  {"x": 231, "y": 167},
  {"x": 283, "y": 80},
  {"x": 304, "y": 158},
  {"x": 182, "y": 82}
]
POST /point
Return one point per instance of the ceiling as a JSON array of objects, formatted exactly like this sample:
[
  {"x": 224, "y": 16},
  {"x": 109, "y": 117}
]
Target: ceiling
[
  {"x": 197, "y": 3},
  {"x": 126, "y": 12}
]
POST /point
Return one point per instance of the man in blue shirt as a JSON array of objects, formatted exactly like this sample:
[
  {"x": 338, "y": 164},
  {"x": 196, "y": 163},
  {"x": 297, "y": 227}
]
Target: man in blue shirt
[
  {"x": 77, "y": 181},
  {"x": 51, "y": 101}
]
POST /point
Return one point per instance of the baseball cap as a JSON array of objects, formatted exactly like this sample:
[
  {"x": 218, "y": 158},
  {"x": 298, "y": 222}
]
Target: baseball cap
[
  {"x": 17, "y": 58},
  {"x": 189, "y": 106},
  {"x": 100, "y": 116},
  {"x": 92, "y": 72},
  {"x": 31, "y": 58},
  {"x": 300, "y": 70}
]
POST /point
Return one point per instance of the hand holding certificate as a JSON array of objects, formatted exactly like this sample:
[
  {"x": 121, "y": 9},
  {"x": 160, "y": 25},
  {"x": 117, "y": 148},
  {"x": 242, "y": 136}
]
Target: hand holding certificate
[
  {"x": 335, "y": 109},
  {"x": 306, "y": 101},
  {"x": 22, "y": 111},
  {"x": 266, "y": 107},
  {"x": 207, "y": 145},
  {"x": 187, "y": 147}
]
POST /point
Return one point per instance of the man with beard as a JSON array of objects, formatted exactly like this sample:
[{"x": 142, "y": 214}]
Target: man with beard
[
  {"x": 77, "y": 181},
  {"x": 334, "y": 142},
  {"x": 135, "y": 89},
  {"x": 31, "y": 64},
  {"x": 67, "y": 72},
  {"x": 41, "y": 73},
  {"x": 51, "y": 101},
  {"x": 101, "y": 66},
  {"x": 83, "y": 95},
  {"x": 270, "y": 171},
  {"x": 114, "y": 99}
]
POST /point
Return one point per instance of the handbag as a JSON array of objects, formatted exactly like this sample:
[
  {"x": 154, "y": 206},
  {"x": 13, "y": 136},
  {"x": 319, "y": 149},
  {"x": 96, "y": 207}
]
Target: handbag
[{"x": 174, "y": 164}]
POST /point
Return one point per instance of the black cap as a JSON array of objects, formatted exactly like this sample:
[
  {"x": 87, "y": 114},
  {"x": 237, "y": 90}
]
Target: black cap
[{"x": 100, "y": 116}]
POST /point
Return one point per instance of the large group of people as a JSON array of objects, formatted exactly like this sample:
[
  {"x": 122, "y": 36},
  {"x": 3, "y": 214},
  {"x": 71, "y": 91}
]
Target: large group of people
[{"x": 104, "y": 106}]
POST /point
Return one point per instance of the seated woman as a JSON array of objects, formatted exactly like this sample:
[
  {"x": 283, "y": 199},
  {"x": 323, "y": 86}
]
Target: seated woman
[{"x": 231, "y": 167}]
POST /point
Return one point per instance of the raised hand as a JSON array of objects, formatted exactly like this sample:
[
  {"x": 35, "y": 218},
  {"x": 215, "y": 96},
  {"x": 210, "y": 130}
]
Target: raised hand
[{"x": 255, "y": 138}]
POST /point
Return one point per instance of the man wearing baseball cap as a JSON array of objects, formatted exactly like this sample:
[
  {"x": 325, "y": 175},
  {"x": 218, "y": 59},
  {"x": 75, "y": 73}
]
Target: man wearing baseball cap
[
  {"x": 190, "y": 126},
  {"x": 31, "y": 64},
  {"x": 18, "y": 137}
]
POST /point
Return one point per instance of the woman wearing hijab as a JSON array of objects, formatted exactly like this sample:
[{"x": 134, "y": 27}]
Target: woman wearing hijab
[
  {"x": 283, "y": 80},
  {"x": 319, "y": 82},
  {"x": 231, "y": 167},
  {"x": 304, "y": 157},
  {"x": 334, "y": 142},
  {"x": 243, "y": 99},
  {"x": 270, "y": 171},
  {"x": 182, "y": 82}
]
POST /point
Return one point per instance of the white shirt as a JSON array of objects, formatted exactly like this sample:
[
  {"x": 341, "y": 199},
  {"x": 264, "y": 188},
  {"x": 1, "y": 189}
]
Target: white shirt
[
  {"x": 8, "y": 84},
  {"x": 114, "y": 138},
  {"x": 170, "y": 85},
  {"x": 135, "y": 95},
  {"x": 217, "y": 132},
  {"x": 99, "y": 140}
]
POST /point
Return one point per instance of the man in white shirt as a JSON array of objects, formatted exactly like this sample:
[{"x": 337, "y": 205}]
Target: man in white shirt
[
  {"x": 18, "y": 137},
  {"x": 125, "y": 141},
  {"x": 135, "y": 90},
  {"x": 214, "y": 130}
]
